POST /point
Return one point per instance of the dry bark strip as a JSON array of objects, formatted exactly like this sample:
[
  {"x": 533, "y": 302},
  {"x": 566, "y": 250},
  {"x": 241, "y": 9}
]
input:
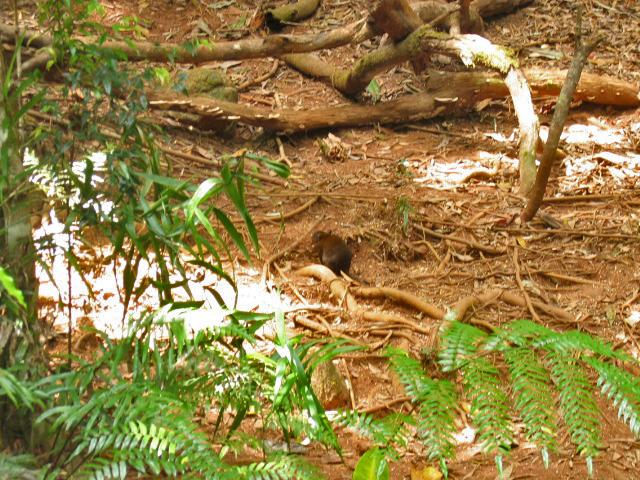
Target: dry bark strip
[
  {"x": 529, "y": 128},
  {"x": 457, "y": 92}
]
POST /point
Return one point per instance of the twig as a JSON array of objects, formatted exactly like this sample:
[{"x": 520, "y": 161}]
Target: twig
[
  {"x": 283, "y": 155},
  {"x": 635, "y": 296},
  {"x": 431, "y": 249},
  {"x": 163, "y": 149},
  {"x": 525, "y": 294},
  {"x": 567, "y": 278},
  {"x": 568, "y": 231},
  {"x": 464, "y": 241},
  {"x": 556, "y": 312},
  {"x": 291, "y": 285},
  {"x": 385, "y": 405},
  {"x": 461, "y": 306},
  {"x": 584, "y": 198},
  {"x": 262, "y": 78},
  {"x": 443, "y": 264},
  {"x": 439, "y": 131},
  {"x": 352, "y": 395},
  {"x": 583, "y": 49},
  {"x": 292, "y": 213},
  {"x": 381, "y": 330},
  {"x": 311, "y": 325},
  {"x": 384, "y": 340}
]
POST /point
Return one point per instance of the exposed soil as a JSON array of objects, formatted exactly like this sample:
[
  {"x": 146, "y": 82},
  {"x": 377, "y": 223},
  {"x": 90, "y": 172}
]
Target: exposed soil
[{"x": 593, "y": 274}]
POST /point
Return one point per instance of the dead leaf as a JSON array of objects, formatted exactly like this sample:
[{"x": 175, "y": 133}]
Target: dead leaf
[{"x": 427, "y": 473}]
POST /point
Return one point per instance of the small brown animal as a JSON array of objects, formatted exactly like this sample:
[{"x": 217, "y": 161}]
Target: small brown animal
[{"x": 333, "y": 252}]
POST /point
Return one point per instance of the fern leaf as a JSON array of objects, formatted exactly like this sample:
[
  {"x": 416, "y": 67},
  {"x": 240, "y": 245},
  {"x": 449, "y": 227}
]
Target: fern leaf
[
  {"x": 577, "y": 404},
  {"x": 282, "y": 467},
  {"x": 489, "y": 405},
  {"x": 575, "y": 341},
  {"x": 533, "y": 398},
  {"x": 436, "y": 420},
  {"x": 409, "y": 370},
  {"x": 523, "y": 332},
  {"x": 436, "y": 400},
  {"x": 459, "y": 342},
  {"x": 623, "y": 389}
]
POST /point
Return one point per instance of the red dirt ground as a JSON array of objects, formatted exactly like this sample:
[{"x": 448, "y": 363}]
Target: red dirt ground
[{"x": 593, "y": 276}]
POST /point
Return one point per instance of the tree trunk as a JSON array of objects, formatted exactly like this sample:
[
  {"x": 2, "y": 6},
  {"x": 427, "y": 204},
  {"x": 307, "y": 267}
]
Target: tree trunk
[{"x": 17, "y": 253}]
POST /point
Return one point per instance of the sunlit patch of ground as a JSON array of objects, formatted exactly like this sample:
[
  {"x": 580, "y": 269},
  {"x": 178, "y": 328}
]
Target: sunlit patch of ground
[{"x": 97, "y": 293}]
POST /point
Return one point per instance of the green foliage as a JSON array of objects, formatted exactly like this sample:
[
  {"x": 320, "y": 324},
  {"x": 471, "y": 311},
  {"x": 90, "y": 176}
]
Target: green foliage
[
  {"x": 389, "y": 434},
  {"x": 577, "y": 403},
  {"x": 404, "y": 209},
  {"x": 9, "y": 285},
  {"x": 19, "y": 467},
  {"x": 134, "y": 408},
  {"x": 107, "y": 173},
  {"x": 291, "y": 367},
  {"x": 435, "y": 423},
  {"x": 489, "y": 405},
  {"x": 458, "y": 345},
  {"x": 533, "y": 398},
  {"x": 374, "y": 90},
  {"x": 372, "y": 466},
  {"x": 622, "y": 388},
  {"x": 547, "y": 380},
  {"x": 20, "y": 393}
]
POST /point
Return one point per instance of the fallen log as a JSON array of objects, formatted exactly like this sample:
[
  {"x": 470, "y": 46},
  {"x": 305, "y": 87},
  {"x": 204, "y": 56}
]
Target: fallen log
[{"x": 449, "y": 93}]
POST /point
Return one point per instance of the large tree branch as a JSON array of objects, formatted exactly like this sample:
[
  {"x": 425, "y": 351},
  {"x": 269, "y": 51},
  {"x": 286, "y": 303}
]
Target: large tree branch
[
  {"x": 270, "y": 46},
  {"x": 471, "y": 49},
  {"x": 448, "y": 94}
]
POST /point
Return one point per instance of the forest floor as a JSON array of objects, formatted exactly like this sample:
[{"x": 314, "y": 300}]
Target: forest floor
[{"x": 587, "y": 267}]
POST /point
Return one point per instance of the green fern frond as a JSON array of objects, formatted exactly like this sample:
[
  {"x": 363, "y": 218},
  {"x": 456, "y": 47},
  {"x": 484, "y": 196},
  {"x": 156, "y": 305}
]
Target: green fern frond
[
  {"x": 102, "y": 468},
  {"x": 359, "y": 422},
  {"x": 436, "y": 421},
  {"x": 533, "y": 398},
  {"x": 577, "y": 403},
  {"x": 390, "y": 430},
  {"x": 575, "y": 341},
  {"x": 458, "y": 343},
  {"x": 436, "y": 400},
  {"x": 409, "y": 370},
  {"x": 282, "y": 467},
  {"x": 524, "y": 332},
  {"x": 489, "y": 405},
  {"x": 148, "y": 448},
  {"x": 623, "y": 389},
  {"x": 393, "y": 430}
]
